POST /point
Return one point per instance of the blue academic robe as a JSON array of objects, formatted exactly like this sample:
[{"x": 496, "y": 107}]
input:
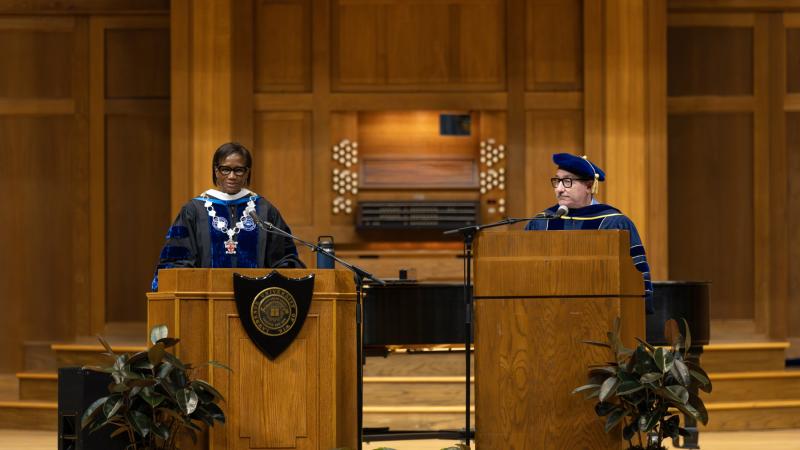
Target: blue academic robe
[
  {"x": 193, "y": 241},
  {"x": 602, "y": 217}
]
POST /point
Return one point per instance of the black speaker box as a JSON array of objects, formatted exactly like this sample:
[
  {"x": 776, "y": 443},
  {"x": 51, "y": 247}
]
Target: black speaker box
[{"x": 77, "y": 390}]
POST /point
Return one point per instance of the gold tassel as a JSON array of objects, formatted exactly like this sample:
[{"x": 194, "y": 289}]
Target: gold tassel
[{"x": 596, "y": 184}]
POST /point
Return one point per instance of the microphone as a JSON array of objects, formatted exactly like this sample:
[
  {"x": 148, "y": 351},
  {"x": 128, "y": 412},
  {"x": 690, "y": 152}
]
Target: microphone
[
  {"x": 562, "y": 211},
  {"x": 258, "y": 221}
]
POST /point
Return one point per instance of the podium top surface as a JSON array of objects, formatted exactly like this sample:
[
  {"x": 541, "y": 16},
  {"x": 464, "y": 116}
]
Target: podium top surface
[
  {"x": 219, "y": 282},
  {"x": 555, "y": 264}
]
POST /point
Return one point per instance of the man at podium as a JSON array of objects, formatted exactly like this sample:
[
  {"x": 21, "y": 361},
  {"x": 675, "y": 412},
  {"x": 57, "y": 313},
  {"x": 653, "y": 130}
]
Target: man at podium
[
  {"x": 575, "y": 185},
  {"x": 215, "y": 229}
]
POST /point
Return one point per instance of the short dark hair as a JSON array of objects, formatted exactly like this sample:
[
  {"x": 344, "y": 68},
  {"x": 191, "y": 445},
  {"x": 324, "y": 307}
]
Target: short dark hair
[{"x": 228, "y": 149}]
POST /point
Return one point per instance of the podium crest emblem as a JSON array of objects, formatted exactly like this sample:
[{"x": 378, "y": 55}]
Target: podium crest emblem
[{"x": 272, "y": 309}]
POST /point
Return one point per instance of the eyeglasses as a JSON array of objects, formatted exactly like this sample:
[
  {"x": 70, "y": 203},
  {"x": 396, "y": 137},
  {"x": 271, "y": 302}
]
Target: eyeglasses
[
  {"x": 566, "y": 181},
  {"x": 238, "y": 171}
]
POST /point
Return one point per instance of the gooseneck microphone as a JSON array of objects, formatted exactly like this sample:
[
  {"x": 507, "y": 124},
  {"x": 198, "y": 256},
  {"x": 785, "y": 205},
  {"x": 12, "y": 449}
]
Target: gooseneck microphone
[{"x": 562, "y": 211}]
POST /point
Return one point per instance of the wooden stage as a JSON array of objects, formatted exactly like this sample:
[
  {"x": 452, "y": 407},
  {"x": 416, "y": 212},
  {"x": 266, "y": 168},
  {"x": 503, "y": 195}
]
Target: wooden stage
[{"x": 730, "y": 440}]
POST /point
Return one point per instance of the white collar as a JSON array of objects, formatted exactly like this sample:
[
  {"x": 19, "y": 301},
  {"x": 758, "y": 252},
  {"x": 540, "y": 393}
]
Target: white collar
[{"x": 227, "y": 197}]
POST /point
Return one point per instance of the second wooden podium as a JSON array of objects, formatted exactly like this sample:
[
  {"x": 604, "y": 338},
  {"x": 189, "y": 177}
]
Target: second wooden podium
[
  {"x": 537, "y": 296},
  {"x": 303, "y": 399}
]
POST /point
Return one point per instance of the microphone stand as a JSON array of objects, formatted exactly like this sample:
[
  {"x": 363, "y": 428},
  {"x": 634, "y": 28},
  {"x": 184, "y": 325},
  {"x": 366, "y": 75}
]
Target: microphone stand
[
  {"x": 468, "y": 235},
  {"x": 360, "y": 275}
]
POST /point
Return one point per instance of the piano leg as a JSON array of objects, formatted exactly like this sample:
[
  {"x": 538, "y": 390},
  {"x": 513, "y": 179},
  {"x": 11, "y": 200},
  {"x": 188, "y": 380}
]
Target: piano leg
[{"x": 689, "y": 422}]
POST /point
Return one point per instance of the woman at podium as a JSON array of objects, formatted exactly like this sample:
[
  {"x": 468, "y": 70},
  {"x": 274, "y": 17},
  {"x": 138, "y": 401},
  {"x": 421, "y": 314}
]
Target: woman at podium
[
  {"x": 216, "y": 229},
  {"x": 575, "y": 185}
]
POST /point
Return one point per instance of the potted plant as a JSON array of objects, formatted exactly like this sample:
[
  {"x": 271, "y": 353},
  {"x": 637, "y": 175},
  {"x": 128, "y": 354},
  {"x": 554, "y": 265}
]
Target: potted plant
[
  {"x": 643, "y": 389},
  {"x": 153, "y": 397}
]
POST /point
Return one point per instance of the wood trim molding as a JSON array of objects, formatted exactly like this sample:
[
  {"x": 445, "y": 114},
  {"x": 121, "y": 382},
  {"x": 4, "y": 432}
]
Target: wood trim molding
[
  {"x": 711, "y": 20},
  {"x": 36, "y": 106},
  {"x": 428, "y": 101},
  {"x": 553, "y": 100},
  {"x": 711, "y": 103},
  {"x": 97, "y": 180},
  {"x": 733, "y": 5},
  {"x": 47, "y": 24}
]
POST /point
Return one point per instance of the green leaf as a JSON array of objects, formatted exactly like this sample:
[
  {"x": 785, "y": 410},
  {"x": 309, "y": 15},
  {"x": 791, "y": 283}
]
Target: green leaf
[
  {"x": 585, "y": 387},
  {"x": 614, "y": 418},
  {"x": 172, "y": 359},
  {"x": 113, "y": 405},
  {"x": 597, "y": 343},
  {"x": 670, "y": 396},
  {"x": 608, "y": 388},
  {"x": 704, "y": 382},
  {"x": 204, "y": 386},
  {"x": 697, "y": 404},
  {"x": 629, "y": 387},
  {"x": 629, "y": 431},
  {"x": 679, "y": 392},
  {"x": 219, "y": 365},
  {"x": 156, "y": 353},
  {"x": 120, "y": 430},
  {"x": 161, "y": 431},
  {"x": 661, "y": 360},
  {"x": 652, "y": 420},
  {"x": 158, "y": 332},
  {"x": 168, "y": 342},
  {"x": 681, "y": 372},
  {"x": 141, "y": 423},
  {"x": 187, "y": 400},
  {"x": 650, "y": 377},
  {"x": 643, "y": 342},
  {"x": 105, "y": 345},
  {"x": 604, "y": 408},
  {"x": 153, "y": 398},
  {"x": 687, "y": 336},
  {"x": 91, "y": 411}
]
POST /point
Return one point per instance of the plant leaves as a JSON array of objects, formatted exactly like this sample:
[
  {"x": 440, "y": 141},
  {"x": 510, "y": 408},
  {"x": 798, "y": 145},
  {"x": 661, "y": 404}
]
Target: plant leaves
[
  {"x": 647, "y": 345},
  {"x": 120, "y": 430},
  {"x": 597, "y": 343},
  {"x": 703, "y": 382},
  {"x": 161, "y": 431},
  {"x": 629, "y": 387},
  {"x": 652, "y": 420},
  {"x": 158, "y": 332},
  {"x": 219, "y": 365},
  {"x": 105, "y": 345},
  {"x": 629, "y": 431},
  {"x": 585, "y": 387},
  {"x": 187, "y": 400},
  {"x": 113, "y": 405},
  {"x": 153, "y": 398},
  {"x": 679, "y": 392},
  {"x": 604, "y": 408},
  {"x": 650, "y": 377},
  {"x": 608, "y": 388},
  {"x": 681, "y": 372},
  {"x": 91, "y": 411},
  {"x": 687, "y": 336},
  {"x": 156, "y": 353},
  {"x": 168, "y": 342},
  {"x": 697, "y": 404},
  {"x": 141, "y": 423},
  {"x": 614, "y": 418},
  {"x": 204, "y": 386},
  {"x": 661, "y": 359}
]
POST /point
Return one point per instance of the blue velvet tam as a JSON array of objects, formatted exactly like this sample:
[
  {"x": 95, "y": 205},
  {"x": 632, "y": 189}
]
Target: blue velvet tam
[{"x": 579, "y": 166}]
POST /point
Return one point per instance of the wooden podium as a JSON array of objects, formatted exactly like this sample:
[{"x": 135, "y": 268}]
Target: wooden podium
[
  {"x": 537, "y": 296},
  {"x": 305, "y": 398}
]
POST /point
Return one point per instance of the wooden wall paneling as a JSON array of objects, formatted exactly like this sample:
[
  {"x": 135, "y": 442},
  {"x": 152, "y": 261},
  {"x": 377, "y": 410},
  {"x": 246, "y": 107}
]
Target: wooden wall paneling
[
  {"x": 131, "y": 55},
  {"x": 244, "y": 73},
  {"x": 733, "y": 5},
  {"x": 97, "y": 171},
  {"x": 358, "y": 42},
  {"x": 418, "y": 43},
  {"x": 282, "y": 41},
  {"x": 626, "y": 112},
  {"x": 775, "y": 129},
  {"x": 554, "y": 45},
  {"x": 32, "y": 44},
  {"x": 210, "y": 99},
  {"x": 709, "y": 55},
  {"x": 81, "y": 217},
  {"x": 593, "y": 81},
  {"x": 180, "y": 38},
  {"x": 791, "y": 62},
  {"x": 763, "y": 169},
  {"x": 548, "y": 132},
  {"x": 84, "y": 7},
  {"x": 710, "y": 199},
  {"x": 137, "y": 209},
  {"x": 793, "y": 221},
  {"x": 283, "y": 164},
  {"x": 657, "y": 245},
  {"x": 421, "y": 101},
  {"x": 478, "y": 35},
  {"x": 517, "y": 195}
]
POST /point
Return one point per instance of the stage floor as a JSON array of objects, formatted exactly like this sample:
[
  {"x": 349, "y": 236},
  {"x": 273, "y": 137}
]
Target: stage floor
[{"x": 736, "y": 440}]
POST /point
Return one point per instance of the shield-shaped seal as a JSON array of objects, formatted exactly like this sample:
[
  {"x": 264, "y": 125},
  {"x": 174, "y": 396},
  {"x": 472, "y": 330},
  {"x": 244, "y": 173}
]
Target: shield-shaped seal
[{"x": 272, "y": 309}]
